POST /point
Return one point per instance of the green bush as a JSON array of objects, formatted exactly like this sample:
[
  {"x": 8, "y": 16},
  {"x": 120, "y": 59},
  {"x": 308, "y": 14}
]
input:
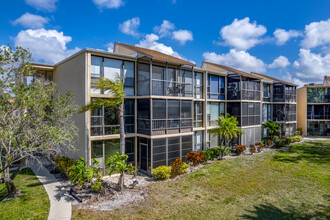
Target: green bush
[
  {"x": 264, "y": 140},
  {"x": 161, "y": 173},
  {"x": 295, "y": 139},
  {"x": 96, "y": 186},
  {"x": 212, "y": 153},
  {"x": 178, "y": 167},
  {"x": 81, "y": 173},
  {"x": 64, "y": 164},
  {"x": 280, "y": 142}
]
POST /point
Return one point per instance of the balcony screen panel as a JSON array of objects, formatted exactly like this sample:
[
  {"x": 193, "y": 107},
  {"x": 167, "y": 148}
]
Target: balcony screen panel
[
  {"x": 173, "y": 109},
  {"x": 245, "y": 108},
  {"x": 159, "y": 152},
  {"x": 112, "y": 68},
  {"x": 129, "y": 71},
  {"x": 129, "y": 115},
  {"x": 256, "y": 108},
  {"x": 173, "y": 149},
  {"x": 111, "y": 116},
  {"x": 143, "y": 79},
  {"x": 159, "y": 109},
  {"x": 186, "y": 109},
  {"x": 143, "y": 108},
  {"x": 111, "y": 147},
  {"x": 215, "y": 110},
  {"x": 198, "y": 141},
  {"x": 214, "y": 87},
  {"x": 130, "y": 149},
  {"x": 96, "y": 65},
  {"x": 186, "y": 145}
]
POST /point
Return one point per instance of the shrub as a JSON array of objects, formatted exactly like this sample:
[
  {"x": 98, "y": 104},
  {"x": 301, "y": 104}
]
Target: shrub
[
  {"x": 178, "y": 167},
  {"x": 299, "y": 131},
  {"x": 81, "y": 173},
  {"x": 280, "y": 142},
  {"x": 252, "y": 149},
  {"x": 260, "y": 146},
  {"x": 161, "y": 173},
  {"x": 96, "y": 186},
  {"x": 131, "y": 169},
  {"x": 64, "y": 164},
  {"x": 196, "y": 157},
  {"x": 212, "y": 153},
  {"x": 240, "y": 149}
]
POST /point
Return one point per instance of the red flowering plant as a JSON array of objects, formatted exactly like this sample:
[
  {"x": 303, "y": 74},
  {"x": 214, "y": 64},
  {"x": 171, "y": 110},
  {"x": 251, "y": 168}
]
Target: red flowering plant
[
  {"x": 252, "y": 149},
  {"x": 260, "y": 146},
  {"x": 196, "y": 157},
  {"x": 240, "y": 149}
]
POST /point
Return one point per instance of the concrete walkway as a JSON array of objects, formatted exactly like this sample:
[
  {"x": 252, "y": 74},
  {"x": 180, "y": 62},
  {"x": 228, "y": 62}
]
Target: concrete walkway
[{"x": 60, "y": 203}]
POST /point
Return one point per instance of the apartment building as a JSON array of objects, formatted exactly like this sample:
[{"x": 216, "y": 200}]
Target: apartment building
[
  {"x": 170, "y": 104},
  {"x": 314, "y": 108}
]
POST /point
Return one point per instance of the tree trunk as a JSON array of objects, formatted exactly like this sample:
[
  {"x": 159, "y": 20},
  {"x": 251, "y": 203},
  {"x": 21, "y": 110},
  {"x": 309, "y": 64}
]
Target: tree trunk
[
  {"x": 121, "y": 181},
  {"x": 10, "y": 185},
  {"x": 122, "y": 141},
  {"x": 11, "y": 188}
]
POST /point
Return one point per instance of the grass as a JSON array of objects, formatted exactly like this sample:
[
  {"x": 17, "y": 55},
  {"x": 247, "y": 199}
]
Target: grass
[
  {"x": 33, "y": 204},
  {"x": 288, "y": 184}
]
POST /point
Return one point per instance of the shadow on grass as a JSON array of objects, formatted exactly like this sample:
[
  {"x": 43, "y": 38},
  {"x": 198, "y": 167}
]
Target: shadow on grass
[
  {"x": 269, "y": 211},
  {"x": 313, "y": 152}
]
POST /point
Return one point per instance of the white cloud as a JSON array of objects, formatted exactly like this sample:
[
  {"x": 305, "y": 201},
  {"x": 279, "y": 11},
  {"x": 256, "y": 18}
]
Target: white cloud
[
  {"x": 164, "y": 29},
  {"x": 241, "y": 60},
  {"x": 150, "y": 42},
  {"x": 316, "y": 34},
  {"x": 108, "y": 3},
  {"x": 130, "y": 26},
  {"x": 241, "y": 34},
  {"x": 311, "y": 66},
  {"x": 280, "y": 62},
  {"x": 31, "y": 21},
  {"x": 110, "y": 46},
  {"x": 183, "y": 36},
  {"x": 290, "y": 78},
  {"x": 282, "y": 36},
  {"x": 45, "y": 45},
  {"x": 44, "y": 5}
]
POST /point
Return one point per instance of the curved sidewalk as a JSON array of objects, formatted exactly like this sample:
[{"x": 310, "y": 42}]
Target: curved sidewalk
[{"x": 60, "y": 202}]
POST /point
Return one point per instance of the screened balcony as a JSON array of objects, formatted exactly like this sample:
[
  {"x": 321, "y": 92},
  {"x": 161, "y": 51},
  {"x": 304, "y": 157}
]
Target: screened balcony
[
  {"x": 318, "y": 111},
  {"x": 242, "y": 88},
  {"x": 284, "y": 93},
  {"x": 250, "y": 113},
  {"x": 168, "y": 116},
  {"x": 284, "y": 112},
  {"x": 165, "y": 81},
  {"x": 198, "y": 114},
  {"x": 318, "y": 95}
]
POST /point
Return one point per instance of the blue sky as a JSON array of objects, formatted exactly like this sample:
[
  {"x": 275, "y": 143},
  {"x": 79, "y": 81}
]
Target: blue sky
[{"x": 285, "y": 39}]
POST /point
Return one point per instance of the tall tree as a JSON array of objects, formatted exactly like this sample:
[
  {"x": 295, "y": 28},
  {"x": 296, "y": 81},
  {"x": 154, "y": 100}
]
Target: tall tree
[
  {"x": 34, "y": 118},
  {"x": 272, "y": 127},
  {"x": 116, "y": 89},
  {"x": 227, "y": 128}
]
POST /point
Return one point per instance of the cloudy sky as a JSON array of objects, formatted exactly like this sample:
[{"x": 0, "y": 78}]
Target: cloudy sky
[{"x": 285, "y": 39}]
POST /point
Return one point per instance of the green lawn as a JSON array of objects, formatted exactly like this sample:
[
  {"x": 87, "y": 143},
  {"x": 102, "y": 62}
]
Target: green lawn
[
  {"x": 289, "y": 184},
  {"x": 33, "y": 204}
]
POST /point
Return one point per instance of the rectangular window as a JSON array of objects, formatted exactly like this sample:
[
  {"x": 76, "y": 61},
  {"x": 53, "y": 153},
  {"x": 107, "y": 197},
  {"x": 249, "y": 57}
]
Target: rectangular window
[
  {"x": 214, "y": 109},
  {"x": 105, "y": 121},
  {"x": 102, "y": 150},
  {"x": 198, "y": 141},
  {"x": 198, "y": 114},
  {"x": 216, "y": 87},
  {"x": 198, "y": 94},
  {"x": 266, "y": 93},
  {"x": 143, "y": 116},
  {"x": 129, "y": 115},
  {"x": 315, "y": 95},
  {"x": 143, "y": 80},
  {"x": 158, "y": 80}
]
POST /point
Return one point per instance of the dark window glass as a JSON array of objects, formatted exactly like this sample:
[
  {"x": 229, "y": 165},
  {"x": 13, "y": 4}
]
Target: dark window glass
[
  {"x": 186, "y": 109},
  {"x": 143, "y": 79},
  {"x": 173, "y": 109}
]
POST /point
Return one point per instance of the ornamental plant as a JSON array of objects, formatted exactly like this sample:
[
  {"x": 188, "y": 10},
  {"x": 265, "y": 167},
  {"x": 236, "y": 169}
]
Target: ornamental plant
[
  {"x": 161, "y": 173},
  {"x": 196, "y": 157},
  {"x": 212, "y": 153},
  {"x": 240, "y": 149},
  {"x": 252, "y": 149},
  {"x": 64, "y": 164},
  {"x": 178, "y": 167},
  {"x": 259, "y": 146}
]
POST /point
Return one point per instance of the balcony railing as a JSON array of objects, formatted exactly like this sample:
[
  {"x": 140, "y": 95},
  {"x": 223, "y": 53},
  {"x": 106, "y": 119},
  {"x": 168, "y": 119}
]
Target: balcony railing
[
  {"x": 171, "y": 126},
  {"x": 171, "y": 88}
]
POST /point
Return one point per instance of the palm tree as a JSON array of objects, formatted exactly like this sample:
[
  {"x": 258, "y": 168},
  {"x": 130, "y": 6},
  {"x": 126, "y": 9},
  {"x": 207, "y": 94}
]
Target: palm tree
[
  {"x": 116, "y": 89},
  {"x": 227, "y": 129},
  {"x": 272, "y": 128}
]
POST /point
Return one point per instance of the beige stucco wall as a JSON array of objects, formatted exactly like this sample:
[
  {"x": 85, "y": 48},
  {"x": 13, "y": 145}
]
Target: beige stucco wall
[
  {"x": 70, "y": 76},
  {"x": 302, "y": 109}
]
